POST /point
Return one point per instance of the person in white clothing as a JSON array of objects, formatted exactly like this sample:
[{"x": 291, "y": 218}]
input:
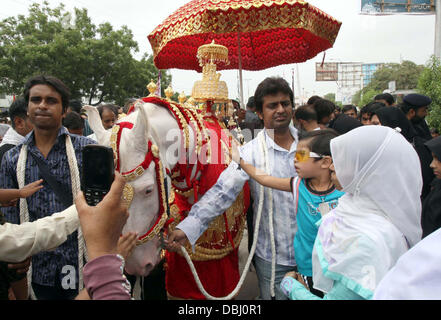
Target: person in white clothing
[{"x": 417, "y": 274}]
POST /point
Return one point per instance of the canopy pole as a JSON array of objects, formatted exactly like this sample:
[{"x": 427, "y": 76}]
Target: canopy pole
[{"x": 242, "y": 104}]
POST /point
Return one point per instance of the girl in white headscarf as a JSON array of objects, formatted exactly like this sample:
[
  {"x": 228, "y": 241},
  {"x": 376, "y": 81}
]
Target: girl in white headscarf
[{"x": 375, "y": 222}]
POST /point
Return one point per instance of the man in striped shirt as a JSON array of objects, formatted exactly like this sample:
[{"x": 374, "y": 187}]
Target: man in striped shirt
[{"x": 47, "y": 99}]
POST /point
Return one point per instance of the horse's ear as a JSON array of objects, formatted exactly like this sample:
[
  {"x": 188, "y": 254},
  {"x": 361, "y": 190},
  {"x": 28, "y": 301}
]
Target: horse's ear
[
  {"x": 140, "y": 129},
  {"x": 93, "y": 116}
]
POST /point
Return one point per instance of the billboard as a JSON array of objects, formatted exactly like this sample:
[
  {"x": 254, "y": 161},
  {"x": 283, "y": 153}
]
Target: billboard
[
  {"x": 326, "y": 72},
  {"x": 398, "y": 6},
  {"x": 350, "y": 75}
]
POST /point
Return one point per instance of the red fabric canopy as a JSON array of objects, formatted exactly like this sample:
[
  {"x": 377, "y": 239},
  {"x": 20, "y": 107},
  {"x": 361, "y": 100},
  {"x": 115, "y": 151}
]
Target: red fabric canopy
[{"x": 270, "y": 33}]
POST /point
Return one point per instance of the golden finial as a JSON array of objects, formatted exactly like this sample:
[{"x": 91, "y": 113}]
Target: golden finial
[
  {"x": 168, "y": 93},
  {"x": 151, "y": 87},
  {"x": 182, "y": 98},
  {"x": 210, "y": 88}
]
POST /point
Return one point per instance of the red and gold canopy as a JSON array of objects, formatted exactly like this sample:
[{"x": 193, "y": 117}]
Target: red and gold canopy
[{"x": 268, "y": 32}]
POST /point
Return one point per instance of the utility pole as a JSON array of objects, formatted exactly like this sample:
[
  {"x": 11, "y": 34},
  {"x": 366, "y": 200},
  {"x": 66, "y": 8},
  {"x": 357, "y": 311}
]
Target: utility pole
[
  {"x": 438, "y": 29},
  {"x": 298, "y": 84},
  {"x": 293, "y": 91}
]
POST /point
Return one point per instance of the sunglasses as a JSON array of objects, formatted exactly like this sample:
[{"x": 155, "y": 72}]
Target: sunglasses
[{"x": 303, "y": 155}]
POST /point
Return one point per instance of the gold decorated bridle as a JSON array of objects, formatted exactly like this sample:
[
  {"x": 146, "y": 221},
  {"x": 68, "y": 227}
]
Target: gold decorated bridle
[{"x": 152, "y": 155}]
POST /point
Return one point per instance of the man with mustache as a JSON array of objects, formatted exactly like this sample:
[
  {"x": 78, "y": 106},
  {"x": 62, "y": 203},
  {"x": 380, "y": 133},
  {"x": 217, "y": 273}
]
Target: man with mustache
[
  {"x": 416, "y": 107},
  {"x": 49, "y": 151},
  {"x": 274, "y": 106}
]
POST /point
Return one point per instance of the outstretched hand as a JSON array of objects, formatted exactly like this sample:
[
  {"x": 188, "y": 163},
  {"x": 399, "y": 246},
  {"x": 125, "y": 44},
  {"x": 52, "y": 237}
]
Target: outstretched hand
[
  {"x": 102, "y": 225},
  {"x": 30, "y": 189},
  {"x": 175, "y": 240}
]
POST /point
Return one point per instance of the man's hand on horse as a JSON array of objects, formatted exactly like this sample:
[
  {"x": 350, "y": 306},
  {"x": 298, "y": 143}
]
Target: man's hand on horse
[
  {"x": 102, "y": 225},
  {"x": 175, "y": 240}
]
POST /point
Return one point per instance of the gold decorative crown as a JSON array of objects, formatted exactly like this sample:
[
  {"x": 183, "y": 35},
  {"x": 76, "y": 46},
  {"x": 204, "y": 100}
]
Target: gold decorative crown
[
  {"x": 210, "y": 88},
  {"x": 212, "y": 53}
]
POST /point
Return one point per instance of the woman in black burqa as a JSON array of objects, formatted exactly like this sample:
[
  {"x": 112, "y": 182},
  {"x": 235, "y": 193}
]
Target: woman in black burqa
[
  {"x": 431, "y": 214},
  {"x": 393, "y": 117}
]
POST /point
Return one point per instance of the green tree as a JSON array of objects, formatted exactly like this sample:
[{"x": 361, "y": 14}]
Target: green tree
[
  {"x": 330, "y": 97},
  {"x": 429, "y": 84},
  {"x": 95, "y": 62},
  {"x": 405, "y": 75},
  {"x": 368, "y": 96}
]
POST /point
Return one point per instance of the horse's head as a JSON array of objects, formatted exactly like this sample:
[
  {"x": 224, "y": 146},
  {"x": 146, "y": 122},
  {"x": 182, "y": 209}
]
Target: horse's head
[{"x": 141, "y": 135}]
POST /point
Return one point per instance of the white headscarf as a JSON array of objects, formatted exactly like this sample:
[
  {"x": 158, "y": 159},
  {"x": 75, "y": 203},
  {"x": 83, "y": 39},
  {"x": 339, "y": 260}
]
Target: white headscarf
[{"x": 378, "y": 218}]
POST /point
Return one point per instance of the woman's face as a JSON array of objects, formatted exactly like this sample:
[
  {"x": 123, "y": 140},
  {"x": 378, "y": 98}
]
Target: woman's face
[
  {"x": 334, "y": 178},
  {"x": 436, "y": 166}
]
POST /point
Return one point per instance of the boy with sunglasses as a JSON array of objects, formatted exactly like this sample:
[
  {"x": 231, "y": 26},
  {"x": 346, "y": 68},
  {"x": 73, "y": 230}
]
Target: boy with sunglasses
[{"x": 314, "y": 196}]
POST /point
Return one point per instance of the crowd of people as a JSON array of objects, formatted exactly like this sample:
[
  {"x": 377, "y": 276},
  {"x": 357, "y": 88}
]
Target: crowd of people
[
  {"x": 350, "y": 193},
  {"x": 346, "y": 196}
]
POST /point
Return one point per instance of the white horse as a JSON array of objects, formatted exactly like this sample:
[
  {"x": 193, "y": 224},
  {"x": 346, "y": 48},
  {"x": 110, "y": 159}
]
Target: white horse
[
  {"x": 148, "y": 144},
  {"x": 150, "y": 123}
]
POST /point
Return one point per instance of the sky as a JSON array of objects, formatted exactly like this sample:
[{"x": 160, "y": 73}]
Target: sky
[{"x": 362, "y": 38}]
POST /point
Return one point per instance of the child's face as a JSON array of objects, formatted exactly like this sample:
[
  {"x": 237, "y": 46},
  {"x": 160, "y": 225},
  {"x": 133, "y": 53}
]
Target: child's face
[
  {"x": 436, "y": 166},
  {"x": 308, "y": 168}
]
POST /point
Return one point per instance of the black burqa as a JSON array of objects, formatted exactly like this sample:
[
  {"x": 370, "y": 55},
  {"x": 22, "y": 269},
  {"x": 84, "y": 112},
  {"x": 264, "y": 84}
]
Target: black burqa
[
  {"x": 393, "y": 117},
  {"x": 431, "y": 214},
  {"x": 344, "y": 123}
]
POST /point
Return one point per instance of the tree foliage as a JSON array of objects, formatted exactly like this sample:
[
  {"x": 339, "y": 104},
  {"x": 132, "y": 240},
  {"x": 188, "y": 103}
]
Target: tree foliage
[
  {"x": 95, "y": 62},
  {"x": 405, "y": 75},
  {"x": 429, "y": 84}
]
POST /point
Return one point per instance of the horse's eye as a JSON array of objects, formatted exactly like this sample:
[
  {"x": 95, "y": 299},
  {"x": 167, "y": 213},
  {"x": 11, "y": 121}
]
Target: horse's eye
[{"x": 148, "y": 191}]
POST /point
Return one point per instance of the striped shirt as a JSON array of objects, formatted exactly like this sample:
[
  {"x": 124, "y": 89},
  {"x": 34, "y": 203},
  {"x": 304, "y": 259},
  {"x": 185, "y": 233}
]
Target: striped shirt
[
  {"x": 230, "y": 183},
  {"x": 48, "y": 266}
]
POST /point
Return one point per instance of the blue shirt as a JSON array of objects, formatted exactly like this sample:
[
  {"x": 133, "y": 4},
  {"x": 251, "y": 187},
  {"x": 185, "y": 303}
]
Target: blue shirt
[
  {"x": 230, "y": 183},
  {"x": 46, "y": 266},
  {"x": 307, "y": 203}
]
